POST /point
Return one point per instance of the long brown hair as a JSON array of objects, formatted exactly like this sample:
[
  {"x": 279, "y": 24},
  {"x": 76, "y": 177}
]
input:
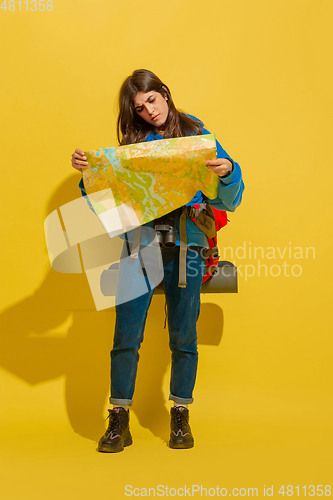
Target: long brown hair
[{"x": 131, "y": 128}]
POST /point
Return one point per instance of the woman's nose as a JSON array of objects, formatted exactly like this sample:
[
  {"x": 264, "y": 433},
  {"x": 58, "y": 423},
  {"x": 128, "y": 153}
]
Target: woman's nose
[{"x": 150, "y": 108}]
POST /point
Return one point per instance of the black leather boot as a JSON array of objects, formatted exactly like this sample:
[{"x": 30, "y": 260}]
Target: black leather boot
[
  {"x": 181, "y": 435},
  {"x": 117, "y": 434}
]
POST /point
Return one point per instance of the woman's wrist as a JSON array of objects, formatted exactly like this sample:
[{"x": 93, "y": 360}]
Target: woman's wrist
[{"x": 228, "y": 173}]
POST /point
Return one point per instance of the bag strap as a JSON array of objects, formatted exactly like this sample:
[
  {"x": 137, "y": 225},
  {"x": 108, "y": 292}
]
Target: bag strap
[
  {"x": 136, "y": 243},
  {"x": 183, "y": 249},
  {"x": 203, "y": 218},
  {"x": 212, "y": 251}
]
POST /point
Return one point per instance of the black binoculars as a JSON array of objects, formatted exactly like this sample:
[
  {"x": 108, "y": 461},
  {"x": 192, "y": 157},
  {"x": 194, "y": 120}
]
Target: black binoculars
[{"x": 165, "y": 231}]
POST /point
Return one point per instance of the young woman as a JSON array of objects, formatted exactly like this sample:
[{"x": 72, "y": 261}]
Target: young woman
[{"x": 147, "y": 113}]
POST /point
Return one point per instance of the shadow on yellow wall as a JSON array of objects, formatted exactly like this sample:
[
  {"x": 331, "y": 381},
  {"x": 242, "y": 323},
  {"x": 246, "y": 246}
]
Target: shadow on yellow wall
[{"x": 36, "y": 349}]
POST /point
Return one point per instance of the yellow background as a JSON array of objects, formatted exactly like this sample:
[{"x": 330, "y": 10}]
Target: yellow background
[{"x": 259, "y": 74}]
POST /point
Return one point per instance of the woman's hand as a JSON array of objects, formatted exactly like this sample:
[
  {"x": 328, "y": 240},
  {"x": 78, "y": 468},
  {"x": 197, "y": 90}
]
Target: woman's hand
[
  {"x": 220, "y": 167},
  {"x": 78, "y": 160}
]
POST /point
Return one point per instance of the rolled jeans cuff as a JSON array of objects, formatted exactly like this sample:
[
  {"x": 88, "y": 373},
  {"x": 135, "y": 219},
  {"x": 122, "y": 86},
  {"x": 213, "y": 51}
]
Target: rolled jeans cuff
[
  {"x": 123, "y": 402},
  {"x": 180, "y": 401}
]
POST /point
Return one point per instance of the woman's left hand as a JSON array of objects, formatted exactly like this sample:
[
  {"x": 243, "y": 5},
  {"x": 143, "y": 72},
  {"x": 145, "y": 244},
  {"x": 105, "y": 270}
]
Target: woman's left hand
[{"x": 220, "y": 167}]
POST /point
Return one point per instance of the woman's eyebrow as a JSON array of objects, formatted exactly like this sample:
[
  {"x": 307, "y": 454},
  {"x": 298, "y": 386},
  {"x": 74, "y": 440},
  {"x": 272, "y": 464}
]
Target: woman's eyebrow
[{"x": 139, "y": 106}]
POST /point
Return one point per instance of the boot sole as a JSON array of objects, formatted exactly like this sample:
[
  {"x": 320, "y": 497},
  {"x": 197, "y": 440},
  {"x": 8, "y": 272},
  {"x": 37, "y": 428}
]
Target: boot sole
[
  {"x": 116, "y": 449},
  {"x": 180, "y": 445}
]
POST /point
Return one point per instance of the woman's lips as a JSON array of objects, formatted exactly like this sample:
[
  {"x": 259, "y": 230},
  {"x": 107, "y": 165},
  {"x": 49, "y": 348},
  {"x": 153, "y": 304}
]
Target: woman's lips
[{"x": 155, "y": 117}]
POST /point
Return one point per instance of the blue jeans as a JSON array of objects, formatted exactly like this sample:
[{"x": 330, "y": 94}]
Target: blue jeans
[{"x": 183, "y": 306}]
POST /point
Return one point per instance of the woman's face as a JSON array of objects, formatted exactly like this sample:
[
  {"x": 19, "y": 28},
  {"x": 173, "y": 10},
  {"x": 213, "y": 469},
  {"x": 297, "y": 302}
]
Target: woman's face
[{"x": 152, "y": 107}]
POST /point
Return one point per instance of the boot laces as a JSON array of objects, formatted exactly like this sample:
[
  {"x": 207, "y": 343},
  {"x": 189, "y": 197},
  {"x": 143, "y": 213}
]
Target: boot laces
[
  {"x": 113, "y": 429},
  {"x": 180, "y": 422}
]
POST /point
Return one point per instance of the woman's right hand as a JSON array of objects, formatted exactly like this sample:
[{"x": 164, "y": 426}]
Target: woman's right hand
[{"x": 78, "y": 160}]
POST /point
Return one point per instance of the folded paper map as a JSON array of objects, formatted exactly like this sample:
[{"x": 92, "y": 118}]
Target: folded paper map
[{"x": 131, "y": 185}]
